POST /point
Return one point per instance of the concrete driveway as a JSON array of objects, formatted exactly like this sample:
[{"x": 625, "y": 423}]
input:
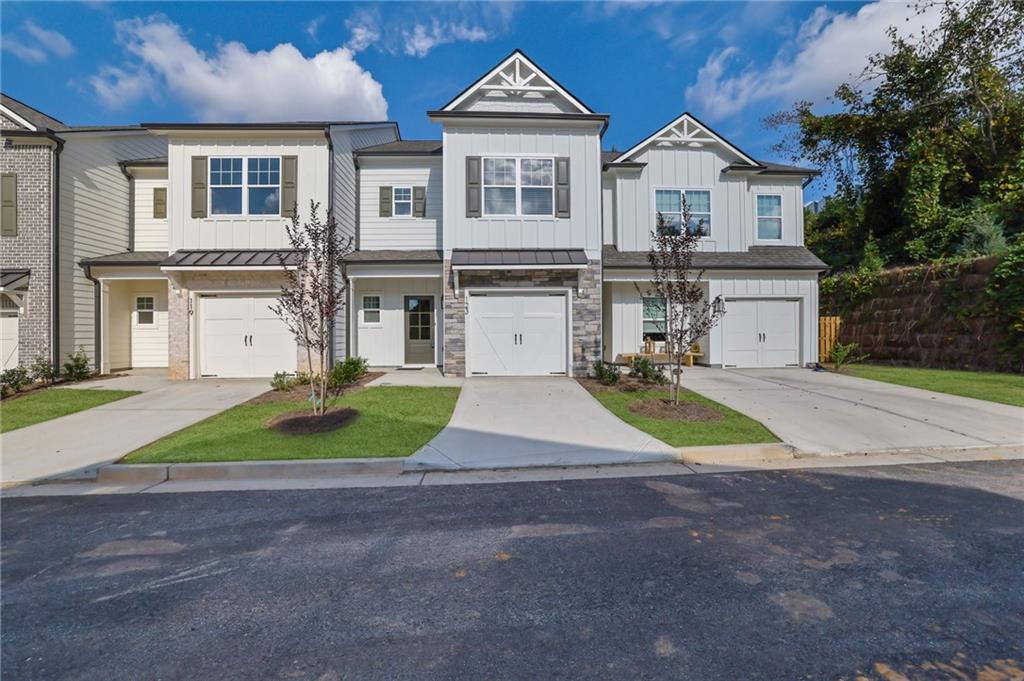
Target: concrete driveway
[
  {"x": 518, "y": 422},
  {"x": 827, "y": 413},
  {"x": 76, "y": 444}
]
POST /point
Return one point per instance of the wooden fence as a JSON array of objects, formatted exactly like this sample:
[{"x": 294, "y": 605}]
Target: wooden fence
[{"x": 828, "y": 334}]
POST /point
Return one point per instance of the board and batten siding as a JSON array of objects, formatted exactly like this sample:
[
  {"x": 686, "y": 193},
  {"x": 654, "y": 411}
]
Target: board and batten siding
[
  {"x": 93, "y": 219},
  {"x": 345, "y": 139},
  {"x": 733, "y": 224},
  {"x": 150, "y": 232},
  {"x": 581, "y": 230},
  {"x": 383, "y": 344},
  {"x": 624, "y": 322},
  {"x": 241, "y": 231},
  {"x": 403, "y": 232}
]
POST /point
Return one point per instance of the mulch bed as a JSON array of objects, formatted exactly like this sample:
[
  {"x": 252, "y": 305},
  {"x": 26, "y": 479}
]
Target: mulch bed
[
  {"x": 690, "y": 412},
  {"x": 300, "y": 393},
  {"x": 626, "y": 384},
  {"x": 305, "y": 423}
]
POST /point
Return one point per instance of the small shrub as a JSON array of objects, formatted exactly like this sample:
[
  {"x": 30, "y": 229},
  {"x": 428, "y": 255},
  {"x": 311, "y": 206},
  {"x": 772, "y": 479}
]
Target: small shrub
[
  {"x": 77, "y": 367},
  {"x": 302, "y": 378},
  {"x": 44, "y": 371},
  {"x": 282, "y": 381},
  {"x": 646, "y": 370},
  {"x": 843, "y": 354},
  {"x": 346, "y": 372},
  {"x": 605, "y": 373},
  {"x": 13, "y": 380}
]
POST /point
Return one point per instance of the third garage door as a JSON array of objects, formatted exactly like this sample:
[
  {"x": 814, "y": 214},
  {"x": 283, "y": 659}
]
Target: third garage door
[
  {"x": 516, "y": 335},
  {"x": 761, "y": 333}
]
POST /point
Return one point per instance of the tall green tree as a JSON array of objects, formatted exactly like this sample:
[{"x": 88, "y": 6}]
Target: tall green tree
[{"x": 931, "y": 133}]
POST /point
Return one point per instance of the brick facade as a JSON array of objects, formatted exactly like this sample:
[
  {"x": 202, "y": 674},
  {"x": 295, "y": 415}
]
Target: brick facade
[
  {"x": 586, "y": 309},
  {"x": 31, "y": 248}
]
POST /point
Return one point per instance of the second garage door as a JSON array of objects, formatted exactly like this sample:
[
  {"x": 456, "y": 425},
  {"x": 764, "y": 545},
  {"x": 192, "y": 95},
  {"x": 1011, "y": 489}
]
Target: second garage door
[
  {"x": 761, "y": 333},
  {"x": 516, "y": 335},
  {"x": 242, "y": 338}
]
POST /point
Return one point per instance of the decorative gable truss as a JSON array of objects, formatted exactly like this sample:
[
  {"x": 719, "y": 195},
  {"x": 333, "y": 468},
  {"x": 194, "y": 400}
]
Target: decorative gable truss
[
  {"x": 517, "y": 84},
  {"x": 687, "y": 131}
]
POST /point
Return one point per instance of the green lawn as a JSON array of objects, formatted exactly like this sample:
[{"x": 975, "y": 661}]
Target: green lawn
[
  {"x": 733, "y": 428},
  {"x": 45, "y": 404},
  {"x": 392, "y": 421},
  {"x": 982, "y": 385}
]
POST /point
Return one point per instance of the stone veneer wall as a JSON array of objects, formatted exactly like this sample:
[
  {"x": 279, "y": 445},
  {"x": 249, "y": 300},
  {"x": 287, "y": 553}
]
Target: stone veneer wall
[
  {"x": 31, "y": 248},
  {"x": 586, "y": 309},
  {"x": 178, "y": 315}
]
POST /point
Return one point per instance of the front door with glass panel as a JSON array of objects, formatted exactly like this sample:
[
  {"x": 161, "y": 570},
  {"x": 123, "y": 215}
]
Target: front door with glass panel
[{"x": 419, "y": 330}]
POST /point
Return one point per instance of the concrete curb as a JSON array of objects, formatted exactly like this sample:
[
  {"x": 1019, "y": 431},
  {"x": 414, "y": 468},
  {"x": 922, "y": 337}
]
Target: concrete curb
[
  {"x": 733, "y": 453},
  {"x": 247, "y": 470}
]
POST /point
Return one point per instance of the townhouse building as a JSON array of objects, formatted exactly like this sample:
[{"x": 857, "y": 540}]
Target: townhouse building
[{"x": 512, "y": 245}]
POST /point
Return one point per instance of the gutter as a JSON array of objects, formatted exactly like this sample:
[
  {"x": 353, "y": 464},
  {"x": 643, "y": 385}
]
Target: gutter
[{"x": 97, "y": 316}]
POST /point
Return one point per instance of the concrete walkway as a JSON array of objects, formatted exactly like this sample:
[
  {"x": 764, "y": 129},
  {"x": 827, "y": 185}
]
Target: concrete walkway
[
  {"x": 427, "y": 377},
  {"x": 518, "y": 422},
  {"x": 76, "y": 444},
  {"x": 827, "y": 413}
]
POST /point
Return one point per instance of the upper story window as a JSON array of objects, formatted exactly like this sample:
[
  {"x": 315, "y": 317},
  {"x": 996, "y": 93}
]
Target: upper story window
[
  {"x": 257, "y": 191},
  {"x": 402, "y": 201},
  {"x": 669, "y": 203},
  {"x": 518, "y": 186},
  {"x": 769, "y": 217}
]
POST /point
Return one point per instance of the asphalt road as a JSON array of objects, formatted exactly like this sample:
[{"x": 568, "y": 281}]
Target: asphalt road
[{"x": 873, "y": 573}]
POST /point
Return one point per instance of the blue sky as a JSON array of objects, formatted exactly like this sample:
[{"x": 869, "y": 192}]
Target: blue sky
[{"x": 729, "y": 63}]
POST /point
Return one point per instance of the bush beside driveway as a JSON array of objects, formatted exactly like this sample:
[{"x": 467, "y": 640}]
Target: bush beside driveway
[
  {"x": 392, "y": 422},
  {"x": 50, "y": 403}
]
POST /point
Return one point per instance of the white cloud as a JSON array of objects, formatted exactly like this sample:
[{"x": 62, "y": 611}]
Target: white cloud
[
  {"x": 829, "y": 48},
  {"x": 363, "y": 31},
  {"x": 235, "y": 84},
  {"x": 421, "y": 40},
  {"x": 41, "y": 43},
  {"x": 312, "y": 27}
]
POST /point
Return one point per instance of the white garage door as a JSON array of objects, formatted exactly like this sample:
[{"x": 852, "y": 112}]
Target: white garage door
[
  {"x": 8, "y": 341},
  {"x": 242, "y": 337},
  {"x": 761, "y": 333},
  {"x": 516, "y": 335}
]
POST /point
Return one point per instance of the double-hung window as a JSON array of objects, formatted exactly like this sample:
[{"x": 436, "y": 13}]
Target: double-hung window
[
  {"x": 769, "y": 217},
  {"x": 402, "y": 201},
  {"x": 145, "y": 308},
  {"x": 669, "y": 203},
  {"x": 371, "y": 309},
  {"x": 655, "y": 322},
  {"x": 519, "y": 186},
  {"x": 257, "y": 191}
]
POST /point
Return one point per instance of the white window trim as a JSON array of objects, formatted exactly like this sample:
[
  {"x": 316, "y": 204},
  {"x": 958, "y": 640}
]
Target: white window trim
[
  {"x": 644, "y": 320},
  {"x": 135, "y": 308},
  {"x": 395, "y": 202},
  {"x": 245, "y": 188},
  {"x": 518, "y": 186},
  {"x": 779, "y": 217},
  {"x": 379, "y": 309},
  {"x": 711, "y": 205}
]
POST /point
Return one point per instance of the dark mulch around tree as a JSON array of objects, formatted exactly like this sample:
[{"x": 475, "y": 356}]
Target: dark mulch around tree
[
  {"x": 664, "y": 410},
  {"x": 305, "y": 423},
  {"x": 626, "y": 384},
  {"x": 300, "y": 393}
]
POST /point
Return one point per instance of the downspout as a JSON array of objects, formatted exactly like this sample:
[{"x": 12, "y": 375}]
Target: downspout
[
  {"x": 331, "y": 355},
  {"x": 55, "y": 255},
  {"x": 131, "y": 205},
  {"x": 97, "y": 316}
]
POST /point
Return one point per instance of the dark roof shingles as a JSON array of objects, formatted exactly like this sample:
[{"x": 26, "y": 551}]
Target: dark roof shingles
[
  {"x": 383, "y": 256},
  {"x": 403, "y": 147},
  {"x": 128, "y": 258},
  {"x": 755, "y": 258}
]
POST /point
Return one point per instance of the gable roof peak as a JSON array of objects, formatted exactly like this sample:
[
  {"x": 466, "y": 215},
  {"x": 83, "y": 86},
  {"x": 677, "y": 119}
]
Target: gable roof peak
[{"x": 690, "y": 130}]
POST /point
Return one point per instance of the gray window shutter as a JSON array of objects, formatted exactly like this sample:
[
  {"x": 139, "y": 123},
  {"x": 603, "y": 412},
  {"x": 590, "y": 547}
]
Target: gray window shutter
[
  {"x": 419, "y": 201},
  {"x": 562, "y": 187},
  {"x": 385, "y": 202},
  {"x": 9, "y": 204},
  {"x": 159, "y": 203},
  {"x": 289, "y": 186},
  {"x": 473, "y": 188},
  {"x": 199, "y": 176}
]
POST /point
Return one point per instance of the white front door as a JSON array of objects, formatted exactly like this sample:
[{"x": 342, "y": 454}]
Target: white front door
[
  {"x": 516, "y": 335},
  {"x": 242, "y": 337},
  {"x": 761, "y": 333},
  {"x": 8, "y": 341}
]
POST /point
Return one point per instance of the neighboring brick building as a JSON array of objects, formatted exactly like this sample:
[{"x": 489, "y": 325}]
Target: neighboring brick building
[{"x": 29, "y": 152}]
